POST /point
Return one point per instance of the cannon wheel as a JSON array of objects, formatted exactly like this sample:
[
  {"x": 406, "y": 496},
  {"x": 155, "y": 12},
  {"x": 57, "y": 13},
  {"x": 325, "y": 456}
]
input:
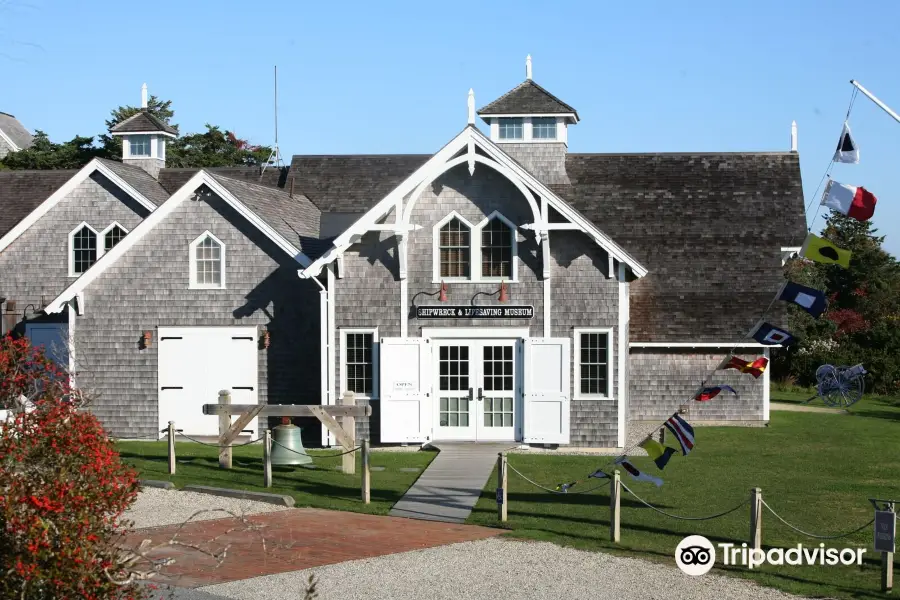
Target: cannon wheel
[{"x": 839, "y": 387}]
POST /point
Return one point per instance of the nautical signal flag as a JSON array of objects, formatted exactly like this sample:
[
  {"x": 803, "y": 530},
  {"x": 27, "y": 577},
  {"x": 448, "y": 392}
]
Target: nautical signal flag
[
  {"x": 637, "y": 474},
  {"x": 682, "y": 431},
  {"x": 769, "y": 335},
  {"x": 823, "y": 251},
  {"x": 847, "y": 151},
  {"x": 708, "y": 393},
  {"x": 600, "y": 474},
  {"x": 809, "y": 299},
  {"x": 755, "y": 368},
  {"x": 658, "y": 453},
  {"x": 856, "y": 202}
]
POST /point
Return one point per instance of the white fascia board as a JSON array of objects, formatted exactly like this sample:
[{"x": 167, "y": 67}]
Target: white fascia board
[
  {"x": 494, "y": 115},
  {"x": 701, "y": 345},
  {"x": 165, "y": 133},
  {"x": 63, "y": 191},
  {"x": 127, "y": 242},
  {"x": 154, "y": 219},
  {"x": 362, "y": 225},
  {"x": 12, "y": 145},
  {"x": 257, "y": 222},
  {"x": 561, "y": 205}
]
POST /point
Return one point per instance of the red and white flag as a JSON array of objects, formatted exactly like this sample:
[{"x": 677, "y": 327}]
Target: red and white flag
[{"x": 856, "y": 202}]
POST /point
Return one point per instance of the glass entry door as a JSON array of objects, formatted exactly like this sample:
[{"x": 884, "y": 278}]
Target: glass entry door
[{"x": 477, "y": 390}]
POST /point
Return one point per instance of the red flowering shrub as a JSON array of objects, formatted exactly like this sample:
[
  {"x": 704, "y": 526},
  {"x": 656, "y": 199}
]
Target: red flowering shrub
[
  {"x": 847, "y": 321},
  {"x": 63, "y": 491}
]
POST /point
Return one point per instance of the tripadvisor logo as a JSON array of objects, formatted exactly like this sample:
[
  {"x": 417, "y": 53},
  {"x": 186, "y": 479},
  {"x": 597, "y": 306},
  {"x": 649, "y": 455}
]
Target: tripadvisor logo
[{"x": 696, "y": 555}]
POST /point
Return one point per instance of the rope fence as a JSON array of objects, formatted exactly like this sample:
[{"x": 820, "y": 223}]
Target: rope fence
[
  {"x": 352, "y": 450},
  {"x": 683, "y": 518},
  {"x": 546, "y": 489},
  {"x": 202, "y": 443},
  {"x": 813, "y": 535}
]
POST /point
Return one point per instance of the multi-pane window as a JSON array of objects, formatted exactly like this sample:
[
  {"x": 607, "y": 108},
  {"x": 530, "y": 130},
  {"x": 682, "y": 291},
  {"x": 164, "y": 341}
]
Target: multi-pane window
[
  {"x": 208, "y": 263},
  {"x": 139, "y": 145},
  {"x": 594, "y": 362},
  {"x": 453, "y": 386},
  {"x": 359, "y": 363},
  {"x": 454, "y": 249},
  {"x": 512, "y": 128},
  {"x": 84, "y": 250},
  {"x": 543, "y": 128},
  {"x": 496, "y": 249},
  {"x": 112, "y": 237}
]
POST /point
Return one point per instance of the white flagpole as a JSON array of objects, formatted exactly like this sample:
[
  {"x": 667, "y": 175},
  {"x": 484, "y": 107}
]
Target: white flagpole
[{"x": 880, "y": 104}]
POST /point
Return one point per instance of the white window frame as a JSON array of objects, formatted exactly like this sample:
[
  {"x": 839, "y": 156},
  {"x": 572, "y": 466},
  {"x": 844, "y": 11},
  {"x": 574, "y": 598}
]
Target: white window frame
[
  {"x": 150, "y": 144},
  {"x": 500, "y": 123},
  {"x": 71, "y": 250},
  {"x": 436, "y": 245},
  {"x": 194, "y": 285},
  {"x": 101, "y": 246},
  {"x": 514, "y": 267},
  {"x": 376, "y": 391},
  {"x": 610, "y": 361},
  {"x": 546, "y": 139},
  {"x": 475, "y": 274}
]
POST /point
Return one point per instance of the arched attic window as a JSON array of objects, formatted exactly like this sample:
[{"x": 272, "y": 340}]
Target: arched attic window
[
  {"x": 82, "y": 249},
  {"x": 112, "y": 235},
  {"x": 498, "y": 248},
  {"x": 207, "y": 262},
  {"x": 454, "y": 248}
]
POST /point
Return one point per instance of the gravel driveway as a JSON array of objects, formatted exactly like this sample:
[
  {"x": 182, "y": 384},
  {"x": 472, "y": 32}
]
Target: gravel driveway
[
  {"x": 496, "y": 568},
  {"x": 156, "y": 507}
]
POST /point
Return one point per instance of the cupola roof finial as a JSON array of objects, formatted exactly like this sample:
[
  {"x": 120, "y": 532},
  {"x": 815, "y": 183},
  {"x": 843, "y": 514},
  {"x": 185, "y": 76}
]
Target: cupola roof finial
[
  {"x": 144, "y": 96},
  {"x": 471, "y": 106},
  {"x": 528, "y": 67}
]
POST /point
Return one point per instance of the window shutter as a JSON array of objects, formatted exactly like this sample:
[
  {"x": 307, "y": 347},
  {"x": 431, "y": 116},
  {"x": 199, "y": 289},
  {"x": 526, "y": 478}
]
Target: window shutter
[{"x": 547, "y": 391}]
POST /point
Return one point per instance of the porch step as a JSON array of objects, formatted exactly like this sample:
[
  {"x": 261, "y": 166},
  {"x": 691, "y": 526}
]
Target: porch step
[{"x": 451, "y": 485}]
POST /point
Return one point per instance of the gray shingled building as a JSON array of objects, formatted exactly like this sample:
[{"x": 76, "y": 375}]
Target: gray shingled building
[
  {"x": 13, "y": 135},
  {"x": 501, "y": 289}
]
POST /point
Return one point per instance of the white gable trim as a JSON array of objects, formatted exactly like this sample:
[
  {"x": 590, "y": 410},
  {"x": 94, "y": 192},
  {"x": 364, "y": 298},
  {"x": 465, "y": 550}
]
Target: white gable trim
[
  {"x": 12, "y": 145},
  {"x": 183, "y": 193},
  {"x": 437, "y": 164},
  {"x": 64, "y": 190}
]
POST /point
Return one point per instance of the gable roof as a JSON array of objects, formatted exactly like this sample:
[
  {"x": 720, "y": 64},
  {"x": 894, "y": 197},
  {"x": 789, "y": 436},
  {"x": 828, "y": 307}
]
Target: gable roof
[
  {"x": 143, "y": 122},
  {"x": 23, "y": 191},
  {"x": 351, "y": 183},
  {"x": 139, "y": 179},
  {"x": 709, "y": 227},
  {"x": 14, "y": 132},
  {"x": 225, "y": 189},
  {"x": 528, "y": 98},
  {"x": 172, "y": 178},
  {"x": 63, "y": 190}
]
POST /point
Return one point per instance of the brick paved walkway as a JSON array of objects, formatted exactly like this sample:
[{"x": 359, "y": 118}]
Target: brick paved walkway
[{"x": 291, "y": 540}]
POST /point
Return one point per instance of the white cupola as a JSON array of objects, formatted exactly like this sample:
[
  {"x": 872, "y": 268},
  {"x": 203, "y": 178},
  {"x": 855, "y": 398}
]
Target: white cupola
[{"x": 144, "y": 138}]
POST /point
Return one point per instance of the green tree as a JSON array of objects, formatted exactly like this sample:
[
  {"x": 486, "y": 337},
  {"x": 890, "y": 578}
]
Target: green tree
[
  {"x": 861, "y": 324},
  {"x": 45, "y": 154},
  {"x": 112, "y": 145},
  {"x": 214, "y": 148}
]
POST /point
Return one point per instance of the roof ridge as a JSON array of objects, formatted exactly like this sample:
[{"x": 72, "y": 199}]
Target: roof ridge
[{"x": 256, "y": 184}]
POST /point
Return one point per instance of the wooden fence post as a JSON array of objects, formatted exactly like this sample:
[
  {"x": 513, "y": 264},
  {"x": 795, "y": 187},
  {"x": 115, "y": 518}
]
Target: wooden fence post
[
  {"x": 502, "y": 494},
  {"x": 348, "y": 464},
  {"x": 756, "y": 518},
  {"x": 224, "y": 428},
  {"x": 366, "y": 476},
  {"x": 267, "y": 458},
  {"x": 615, "y": 505},
  {"x": 171, "y": 447}
]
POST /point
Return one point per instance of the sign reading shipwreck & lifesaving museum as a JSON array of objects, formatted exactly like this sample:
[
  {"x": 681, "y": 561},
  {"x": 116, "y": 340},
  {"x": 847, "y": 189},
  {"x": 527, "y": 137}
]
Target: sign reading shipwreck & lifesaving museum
[{"x": 474, "y": 312}]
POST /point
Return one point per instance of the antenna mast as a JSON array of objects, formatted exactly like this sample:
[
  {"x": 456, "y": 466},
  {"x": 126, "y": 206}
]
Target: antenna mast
[{"x": 275, "y": 157}]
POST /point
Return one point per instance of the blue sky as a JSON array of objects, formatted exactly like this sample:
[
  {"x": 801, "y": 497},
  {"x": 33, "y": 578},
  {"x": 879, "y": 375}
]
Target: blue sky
[{"x": 392, "y": 77}]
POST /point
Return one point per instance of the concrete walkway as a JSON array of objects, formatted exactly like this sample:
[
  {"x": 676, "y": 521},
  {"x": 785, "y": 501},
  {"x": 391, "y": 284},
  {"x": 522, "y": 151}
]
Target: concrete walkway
[{"x": 451, "y": 485}]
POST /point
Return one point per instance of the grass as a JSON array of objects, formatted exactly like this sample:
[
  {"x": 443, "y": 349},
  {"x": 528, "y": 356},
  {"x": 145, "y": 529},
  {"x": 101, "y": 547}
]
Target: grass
[
  {"x": 879, "y": 407},
  {"x": 816, "y": 470},
  {"x": 323, "y": 487}
]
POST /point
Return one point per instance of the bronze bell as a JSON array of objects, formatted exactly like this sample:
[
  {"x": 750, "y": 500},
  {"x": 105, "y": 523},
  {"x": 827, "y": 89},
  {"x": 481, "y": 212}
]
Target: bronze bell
[{"x": 289, "y": 448}]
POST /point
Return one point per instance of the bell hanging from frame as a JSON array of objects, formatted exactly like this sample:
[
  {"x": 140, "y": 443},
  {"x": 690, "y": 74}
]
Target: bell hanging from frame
[{"x": 287, "y": 447}]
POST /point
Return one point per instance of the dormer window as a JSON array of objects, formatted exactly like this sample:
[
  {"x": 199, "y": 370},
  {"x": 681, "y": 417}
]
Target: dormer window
[
  {"x": 543, "y": 128},
  {"x": 512, "y": 128},
  {"x": 139, "y": 145}
]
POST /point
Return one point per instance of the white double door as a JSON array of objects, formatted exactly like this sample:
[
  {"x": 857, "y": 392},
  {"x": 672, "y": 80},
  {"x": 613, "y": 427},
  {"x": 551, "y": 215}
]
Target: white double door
[{"x": 477, "y": 389}]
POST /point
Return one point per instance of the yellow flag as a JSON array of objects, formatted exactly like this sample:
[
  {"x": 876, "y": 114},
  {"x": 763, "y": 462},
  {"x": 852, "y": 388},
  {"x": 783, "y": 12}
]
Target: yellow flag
[
  {"x": 657, "y": 452},
  {"x": 823, "y": 251}
]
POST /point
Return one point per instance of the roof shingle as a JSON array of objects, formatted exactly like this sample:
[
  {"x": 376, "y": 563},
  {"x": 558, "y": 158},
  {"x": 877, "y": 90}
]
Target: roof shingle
[
  {"x": 139, "y": 179},
  {"x": 22, "y": 191},
  {"x": 527, "y": 98},
  {"x": 15, "y": 131},
  {"x": 143, "y": 122}
]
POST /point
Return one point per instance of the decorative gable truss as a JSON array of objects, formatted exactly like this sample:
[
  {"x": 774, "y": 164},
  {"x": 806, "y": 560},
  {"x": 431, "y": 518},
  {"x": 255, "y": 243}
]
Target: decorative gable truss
[
  {"x": 188, "y": 190},
  {"x": 462, "y": 150}
]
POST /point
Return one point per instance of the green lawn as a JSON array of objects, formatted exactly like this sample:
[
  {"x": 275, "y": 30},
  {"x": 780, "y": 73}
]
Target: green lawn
[
  {"x": 880, "y": 407},
  {"x": 816, "y": 470},
  {"x": 323, "y": 487}
]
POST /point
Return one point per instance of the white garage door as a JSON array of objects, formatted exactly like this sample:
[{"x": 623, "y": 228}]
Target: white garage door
[{"x": 195, "y": 363}]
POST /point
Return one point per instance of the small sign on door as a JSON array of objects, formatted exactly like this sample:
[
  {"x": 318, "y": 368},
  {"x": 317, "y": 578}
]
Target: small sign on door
[
  {"x": 885, "y": 530},
  {"x": 404, "y": 386}
]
